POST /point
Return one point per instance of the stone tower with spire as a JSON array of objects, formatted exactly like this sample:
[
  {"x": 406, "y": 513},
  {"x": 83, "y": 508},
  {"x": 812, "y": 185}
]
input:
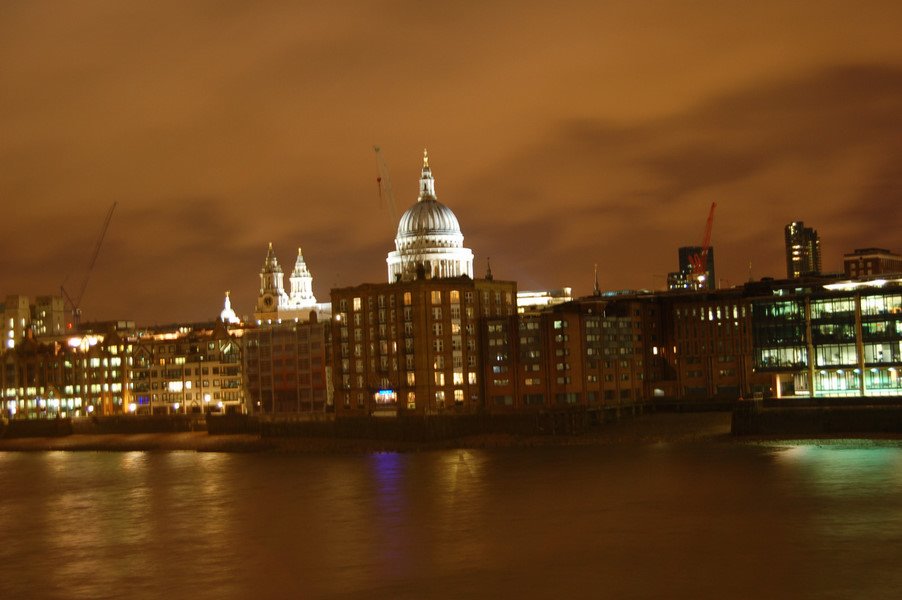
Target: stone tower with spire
[
  {"x": 301, "y": 296},
  {"x": 274, "y": 304},
  {"x": 272, "y": 296}
]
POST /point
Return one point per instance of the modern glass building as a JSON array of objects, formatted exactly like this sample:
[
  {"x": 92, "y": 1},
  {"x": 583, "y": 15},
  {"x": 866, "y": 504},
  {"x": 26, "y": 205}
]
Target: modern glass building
[{"x": 838, "y": 339}]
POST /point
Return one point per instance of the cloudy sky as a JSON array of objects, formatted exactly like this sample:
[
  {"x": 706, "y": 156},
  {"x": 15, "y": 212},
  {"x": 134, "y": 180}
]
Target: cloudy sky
[{"x": 562, "y": 134}]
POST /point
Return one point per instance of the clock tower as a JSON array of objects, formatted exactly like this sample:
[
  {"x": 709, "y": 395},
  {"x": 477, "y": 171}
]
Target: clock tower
[{"x": 272, "y": 295}]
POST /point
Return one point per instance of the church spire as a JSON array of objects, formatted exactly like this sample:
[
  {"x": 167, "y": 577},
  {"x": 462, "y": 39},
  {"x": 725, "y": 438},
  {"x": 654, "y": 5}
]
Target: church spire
[
  {"x": 488, "y": 270},
  {"x": 300, "y": 267},
  {"x": 427, "y": 183},
  {"x": 301, "y": 284},
  {"x": 271, "y": 263}
]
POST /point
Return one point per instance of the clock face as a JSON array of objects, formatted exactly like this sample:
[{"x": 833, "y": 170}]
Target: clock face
[{"x": 267, "y": 300}]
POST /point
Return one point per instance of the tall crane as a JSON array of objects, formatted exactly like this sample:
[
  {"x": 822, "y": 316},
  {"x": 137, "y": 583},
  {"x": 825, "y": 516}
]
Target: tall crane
[
  {"x": 410, "y": 257},
  {"x": 386, "y": 194},
  {"x": 75, "y": 303},
  {"x": 699, "y": 261}
]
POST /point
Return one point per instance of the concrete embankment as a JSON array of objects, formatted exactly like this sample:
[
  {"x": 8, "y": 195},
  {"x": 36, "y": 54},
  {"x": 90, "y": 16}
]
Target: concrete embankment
[
  {"x": 648, "y": 428},
  {"x": 119, "y": 424},
  {"x": 424, "y": 429},
  {"x": 833, "y": 417}
]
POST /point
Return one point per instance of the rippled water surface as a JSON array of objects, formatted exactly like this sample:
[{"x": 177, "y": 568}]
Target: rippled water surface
[{"x": 666, "y": 521}]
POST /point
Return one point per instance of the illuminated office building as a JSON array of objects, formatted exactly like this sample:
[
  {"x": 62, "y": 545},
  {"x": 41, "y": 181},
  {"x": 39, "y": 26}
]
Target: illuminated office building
[
  {"x": 803, "y": 250},
  {"x": 842, "y": 338}
]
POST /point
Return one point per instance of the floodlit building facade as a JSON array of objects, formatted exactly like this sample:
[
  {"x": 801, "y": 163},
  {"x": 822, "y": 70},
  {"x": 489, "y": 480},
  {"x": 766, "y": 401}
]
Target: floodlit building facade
[
  {"x": 187, "y": 369},
  {"x": 413, "y": 347},
  {"x": 71, "y": 377}
]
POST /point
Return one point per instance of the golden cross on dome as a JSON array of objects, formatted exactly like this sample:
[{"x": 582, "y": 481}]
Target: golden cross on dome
[{"x": 425, "y": 159}]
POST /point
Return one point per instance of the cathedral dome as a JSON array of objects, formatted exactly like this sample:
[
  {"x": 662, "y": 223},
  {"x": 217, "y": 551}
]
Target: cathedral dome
[
  {"x": 428, "y": 217},
  {"x": 429, "y": 239}
]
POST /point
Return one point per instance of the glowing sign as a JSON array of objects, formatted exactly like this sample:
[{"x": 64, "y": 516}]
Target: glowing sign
[{"x": 386, "y": 397}]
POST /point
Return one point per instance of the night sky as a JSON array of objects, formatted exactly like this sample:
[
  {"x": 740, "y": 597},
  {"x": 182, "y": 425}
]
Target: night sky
[{"x": 562, "y": 134}]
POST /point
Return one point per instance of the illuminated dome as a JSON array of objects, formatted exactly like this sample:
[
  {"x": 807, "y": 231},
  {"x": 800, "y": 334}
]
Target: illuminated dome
[
  {"x": 429, "y": 240},
  {"x": 429, "y": 217}
]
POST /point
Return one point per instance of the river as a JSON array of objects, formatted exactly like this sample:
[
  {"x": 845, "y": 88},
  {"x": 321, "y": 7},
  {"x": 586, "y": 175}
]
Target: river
[{"x": 694, "y": 520}]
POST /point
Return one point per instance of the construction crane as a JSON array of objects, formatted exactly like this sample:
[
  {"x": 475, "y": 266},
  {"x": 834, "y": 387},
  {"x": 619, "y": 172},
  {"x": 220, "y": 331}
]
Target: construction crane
[
  {"x": 386, "y": 194},
  {"x": 75, "y": 303},
  {"x": 410, "y": 257},
  {"x": 699, "y": 261}
]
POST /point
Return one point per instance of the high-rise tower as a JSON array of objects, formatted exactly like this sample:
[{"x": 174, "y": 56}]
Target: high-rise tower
[{"x": 803, "y": 250}]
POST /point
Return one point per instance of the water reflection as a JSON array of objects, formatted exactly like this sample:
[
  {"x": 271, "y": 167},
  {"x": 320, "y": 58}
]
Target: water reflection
[
  {"x": 391, "y": 513},
  {"x": 694, "y": 521},
  {"x": 852, "y": 488}
]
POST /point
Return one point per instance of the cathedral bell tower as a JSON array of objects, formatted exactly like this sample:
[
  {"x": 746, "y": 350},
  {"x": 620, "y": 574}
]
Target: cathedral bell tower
[
  {"x": 301, "y": 285},
  {"x": 272, "y": 295}
]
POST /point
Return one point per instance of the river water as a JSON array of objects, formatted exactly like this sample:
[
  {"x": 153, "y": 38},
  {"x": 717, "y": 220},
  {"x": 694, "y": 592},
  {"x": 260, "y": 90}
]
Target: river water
[{"x": 703, "y": 520}]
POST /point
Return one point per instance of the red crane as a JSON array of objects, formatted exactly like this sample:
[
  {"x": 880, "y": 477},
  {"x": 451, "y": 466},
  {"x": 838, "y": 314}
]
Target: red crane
[{"x": 700, "y": 261}]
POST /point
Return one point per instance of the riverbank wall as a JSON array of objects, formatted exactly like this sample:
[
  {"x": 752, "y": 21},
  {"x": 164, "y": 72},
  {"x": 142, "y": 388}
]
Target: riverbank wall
[
  {"x": 422, "y": 428},
  {"x": 818, "y": 417},
  {"x": 564, "y": 421},
  {"x": 119, "y": 424}
]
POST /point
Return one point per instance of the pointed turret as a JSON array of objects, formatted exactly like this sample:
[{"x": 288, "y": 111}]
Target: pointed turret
[
  {"x": 488, "y": 270},
  {"x": 228, "y": 315},
  {"x": 301, "y": 284},
  {"x": 300, "y": 267},
  {"x": 271, "y": 263}
]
